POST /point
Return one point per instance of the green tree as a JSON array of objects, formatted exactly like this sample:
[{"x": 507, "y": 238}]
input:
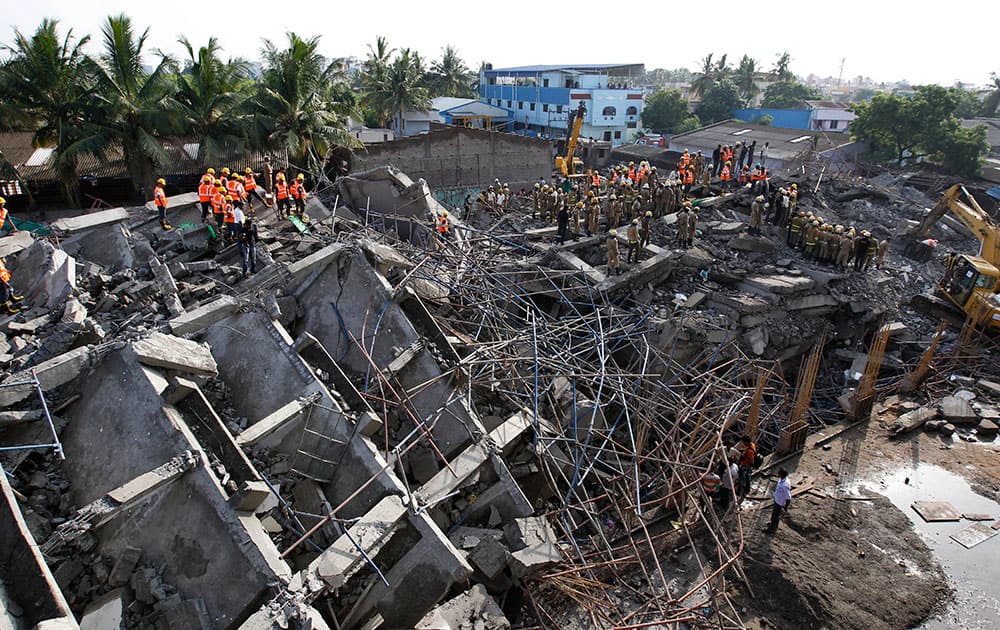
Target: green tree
[
  {"x": 373, "y": 74},
  {"x": 781, "y": 68},
  {"x": 991, "y": 104},
  {"x": 690, "y": 123},
  {"x": 746, "y": 78},
  {"x": 922, "y": 125},
  {"x": 722, "y": 69},
  {"x": 704, "y": 79},
  {"x": 296, "y": 106},
  {"x": 864, "y": 94},
  {"x": 132, "y": 109},
  {"x": 969, "y": 103},
  {"x": 664, "y": 111},
  {"x": 47, "y": 84},
  {"x": 212, "y": 94},
  {"x": 450, "y": 76},
  {"x": 788, "y": 95},
  {"x": 719, "y": 102},
  {"x": 765, "y": 120},
  {"x": 662, "y": 76},
  {"x": 400, "y": 90}
]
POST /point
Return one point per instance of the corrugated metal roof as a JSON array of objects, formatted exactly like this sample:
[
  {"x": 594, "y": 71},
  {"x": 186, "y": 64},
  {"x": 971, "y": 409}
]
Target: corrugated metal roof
[
  {"x": 570, "y": 68},
  {"x": 783, "y": 143}
]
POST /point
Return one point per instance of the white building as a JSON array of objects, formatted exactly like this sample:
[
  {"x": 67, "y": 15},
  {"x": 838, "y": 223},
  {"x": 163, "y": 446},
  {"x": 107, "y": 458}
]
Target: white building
[{"x": 829, "y": 116}]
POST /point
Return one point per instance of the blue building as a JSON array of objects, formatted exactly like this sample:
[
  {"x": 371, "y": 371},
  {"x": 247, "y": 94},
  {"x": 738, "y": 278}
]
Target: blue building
[{"x": 541, "y": 98}]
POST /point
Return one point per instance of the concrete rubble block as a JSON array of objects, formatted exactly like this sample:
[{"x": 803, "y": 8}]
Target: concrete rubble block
[
  {"x": 90, "y": 220},
  {"x": 175, "y": 353},
  {"x": 697, "y": 258},
  {"x": 742, "y": 303},
  {"x": 778, "y": 284},
  {"x": 174, "y": 202},
  {"x": 315, "y": 262},
  {"x": 757, "y": 339},
  {"x": 809, "y": 302},
  {"x": 74, "y": 312},
  {"x": 958, "y": 410},
  {"x": 342, "y": 559},
  {"x": 757, "y": 244},
  {"x": 422, "y": 463},
  {"x": 490, "y": 557},
  {"x": 987, "y": 429},
  {"x": 186, "y": 614},
  {"x": 989, "y": 387},
  {"x": 107, "y": 612},
  {"x": 204, "y": 316},
  {"x": 45, "y": 274},
  {"x": 913, "y": 420},
  {"x": 250, "y": 496},
  {"x": 534, "y": 559},
  {"x": 473, "y": 609},
  {"x": 55, "y": 372},
  {"x": 528, "y": 531},
  {"x": 125, "y": 566},
  {"x": 16, "y": 242}
]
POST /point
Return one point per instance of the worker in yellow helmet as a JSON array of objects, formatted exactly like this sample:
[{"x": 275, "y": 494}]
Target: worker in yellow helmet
[
  {"x": 4, "y": 214},
  {"x": 160, "y": 199},
  {"x": 9, "y": 300}
]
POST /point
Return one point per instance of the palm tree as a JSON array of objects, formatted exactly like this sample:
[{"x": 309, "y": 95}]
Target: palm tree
[
  {"x": 722, "y": 68},
  {"x": 781, "y": 71},
  {"x": 211, "y": 94},
  {"x": 746, "y": 78},
  {"x": 295, "y": 106},
  {"x": 704, "y": 79},
  {"x": 401, "y": 90},
  {"x": 47, "y": 83},
  {"x": 373, "y": 74},
  {"x": 451, "y": 77},
  {"x": 132, "y": 109},
  {"x": 992, "y": 101}
]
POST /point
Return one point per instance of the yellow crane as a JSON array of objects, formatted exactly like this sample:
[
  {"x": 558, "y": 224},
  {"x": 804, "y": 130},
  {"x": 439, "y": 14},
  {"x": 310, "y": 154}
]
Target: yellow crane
[
  {"x": 972, "y": 283},
  {"x": 571, "y": 166}
]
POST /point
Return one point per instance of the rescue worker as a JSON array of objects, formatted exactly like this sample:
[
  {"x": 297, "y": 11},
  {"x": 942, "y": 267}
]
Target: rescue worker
[
  {"x": 536, "y": 201},
  {"x": 812, "y": 236},
  {"x": 4, "y": 215},
  {"x": 160, "y": 200},
  {"x": 268, "y": 175},
  {"x": 645, "y": 228},
  {"x": 593, "y": 215},
  {"x": 844, "y": 249},
  {"x": 756, "y": 214},
  {"x": 949, "y": 265},
  {"x": 725, "y": 175},
  {"x": 562, "y": 222},
  {"x": 688, "y": 179},
  {"x": 229, "y": 219},
  {"x": 748, "y": 457},
  {"x": 692, "y": 224},
  {"x": 793, "y": 197},
  {"x": 578, "y": 212},
  {"x": 883, "y": 249},
  {"x": 232, "y": 189},
  {"x": 250, "y": 186},
  {"x": 794, "y": 228},
  {"x": 860, "y": 250},
  {"x": 218, "y": 201},
  {"x": 635, "y": 210},
  {"x": 613, "y": 210},
  {"x": 281, "y": 195},
  {"x": 9, "y": 299},
  {"x": 210, "y": 173},
  {"x": 443, "y": 226},
  {"x": 632, "y": 233},
  {"x": 823, "y": 243},
  {"x": 614, "y": 261},
  {"x": 780, "y": 216},
  {"x": 682, "y": 225},
  {"x": 872, "y": 251},
  {"x": 205, "y": 190},
  {"x": 248, "y": 245},
  {"x": 298, "y": 193}
]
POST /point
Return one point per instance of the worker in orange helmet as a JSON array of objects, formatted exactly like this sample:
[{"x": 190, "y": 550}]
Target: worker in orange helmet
[{"x": 9, "y": 300}]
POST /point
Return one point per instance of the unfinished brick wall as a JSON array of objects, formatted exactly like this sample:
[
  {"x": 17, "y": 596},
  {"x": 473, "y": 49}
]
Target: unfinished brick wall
[{"x": 456, "y": 157}]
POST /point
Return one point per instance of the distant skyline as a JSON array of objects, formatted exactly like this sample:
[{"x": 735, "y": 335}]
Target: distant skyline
[{"x": 883, "y": 41}]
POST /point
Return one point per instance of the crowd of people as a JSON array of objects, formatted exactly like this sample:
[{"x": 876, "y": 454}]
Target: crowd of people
[{"x": 729, "y": 482}]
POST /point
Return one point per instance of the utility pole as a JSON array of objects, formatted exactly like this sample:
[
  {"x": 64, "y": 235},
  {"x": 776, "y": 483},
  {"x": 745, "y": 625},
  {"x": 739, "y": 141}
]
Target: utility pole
[{"x": 841, "y": 75}]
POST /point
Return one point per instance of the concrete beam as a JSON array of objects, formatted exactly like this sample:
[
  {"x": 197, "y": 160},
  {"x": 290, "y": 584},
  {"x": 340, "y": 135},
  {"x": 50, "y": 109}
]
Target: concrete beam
[
  {"x": 575, "y": 262},
  {"x": 342, "y": 559},
  {"x": 19, "y": 241},
  {"x": 204, "y": 316},
  {"x": 91, "y": 220},
  {"x": 53, "y": 373},
  {"x": 175, "y": 353},
  {"x": 274, "y": 421}
]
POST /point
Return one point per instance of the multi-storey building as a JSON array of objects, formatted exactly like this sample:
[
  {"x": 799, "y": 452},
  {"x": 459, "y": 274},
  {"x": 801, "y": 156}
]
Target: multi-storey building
[{"x": 540, "y": 99}]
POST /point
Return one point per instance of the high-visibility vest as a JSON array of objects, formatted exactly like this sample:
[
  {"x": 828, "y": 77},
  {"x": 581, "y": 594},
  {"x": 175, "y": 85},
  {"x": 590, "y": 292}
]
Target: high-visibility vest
[
  {"x": 631, "y": 173},
  {"x": 3, "y": 215},
  {"x": 688, "y": 177},
  {"x": 159, "y": 197},
  {"x": 298, "y": 190},
  {"x": 744, "y": 175},
  {"x": 724, "y": 175},
  {"x": 595, "y": 181},
  {"x": 218, "y": 200},
  {"x": 749, "y": 455},
  {"x": 229, "y": 216},
  {"x": 233, "y": 190},
  {"x": 281, "y": 190},
  {"x": 205, "y": 191},
  {"x": 250, "y": 184},
  {"x": 443, "y": 225},
  {"x": 242, "y": 191},
  {"x": 4, "y": 274}
]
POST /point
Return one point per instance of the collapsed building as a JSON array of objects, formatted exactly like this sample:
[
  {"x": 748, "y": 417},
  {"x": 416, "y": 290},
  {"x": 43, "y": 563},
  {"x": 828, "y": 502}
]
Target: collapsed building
[{"x": 381, "y": 428}]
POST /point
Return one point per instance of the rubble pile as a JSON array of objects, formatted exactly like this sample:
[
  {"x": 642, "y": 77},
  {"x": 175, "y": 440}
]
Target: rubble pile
[{"x": 384, "y": 427}]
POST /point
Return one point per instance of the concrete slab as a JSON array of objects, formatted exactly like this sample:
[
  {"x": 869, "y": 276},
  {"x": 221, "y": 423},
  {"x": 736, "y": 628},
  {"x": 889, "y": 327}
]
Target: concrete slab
[
  {"x": 819, "y": 301},
  {"x": 45, "y": 274},
  {"x": 271, "y": 423},
  {"x": 53, "y": 373},
  {"x": 534, "y": 559},
  {"x": 106, "y": 612},
  {"x": 778, "y": 284},
  {"x": 747, "y": 243},
  {"x": 575, "y": 262},
  {"x": 958, "y": 410},
  {"x": 974, "y": 534},
  {"x": 16, "y": 242},
  {"x": 472, "y": 609},
  {"x": 936, "y": 511},
  {"x": 90, "y": 220},
  {"x": 204, "y": 316},
  {"x": 175, "y": 353}
]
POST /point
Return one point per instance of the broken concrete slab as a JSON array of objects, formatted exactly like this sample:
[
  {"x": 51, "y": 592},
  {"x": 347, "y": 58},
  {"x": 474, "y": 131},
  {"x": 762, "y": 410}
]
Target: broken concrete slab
[
  {"x": 533, "y": 559},
  {"x": 958, "y": 410},
  {"x": 913, "y": 420},
  {"x": 45, "y": 274},
  {"x": 106, "y": 612},
  {"x": 810, "y": 302},
  {"x": 777, "y": 284},
  {"x": 473, "y": 609},
  {"x": 175, "y": 353},
  {"x": 747, "y": 243},
  {"x": 53, "y": 373},
  {"x": 16, "y": 242},
  {"x": 988, "y": 387},
  {"x": 90, "y": 220},
  {"x": 204, "y": 316},
  {"x": 936, "y": 511}
]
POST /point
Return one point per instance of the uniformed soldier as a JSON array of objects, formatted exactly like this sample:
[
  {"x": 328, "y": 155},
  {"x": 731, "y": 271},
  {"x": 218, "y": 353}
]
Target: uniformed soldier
[
  {"x": 692, "y": 224},
  {"x": 645, "y": 228},
  {"x": 682, "y": 225},
  {"x": 756, "y": 214},
  {"x": 614, "y": 262},
  {"x": 812, "y": 235},
  {"x": 633, "y": 241},
  {"x": 593, "y": 214}
]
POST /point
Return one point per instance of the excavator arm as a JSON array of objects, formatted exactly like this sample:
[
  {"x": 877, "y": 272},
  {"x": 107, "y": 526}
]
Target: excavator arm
[
  {"x": 967, "y": 210},
  {"x": 565, "y": 164}
]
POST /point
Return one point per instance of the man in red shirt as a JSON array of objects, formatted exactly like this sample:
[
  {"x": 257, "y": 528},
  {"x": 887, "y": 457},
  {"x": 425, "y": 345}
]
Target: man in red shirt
[{"x": 748, "y": 458}]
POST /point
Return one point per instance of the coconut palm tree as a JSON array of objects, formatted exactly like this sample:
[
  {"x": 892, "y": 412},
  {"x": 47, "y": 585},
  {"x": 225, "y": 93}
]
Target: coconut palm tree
[
  {"x": 296, "y": 107},
  {"x": 47, "y": 83},
  {"x": 704, "y": 79},
  {"x": 132, "y": 109},
  {"x": 401, "y": 90},
  {"x": 992, "y": 101},
  {"x": 781, "y": 71},
  {"x": 450, "y": 76},
  {"x": 746, "y": 78},
  {"x": 722, "y": 69},
  {"x": 373, "y": 73},
  {"x": 211, "y": 94}
]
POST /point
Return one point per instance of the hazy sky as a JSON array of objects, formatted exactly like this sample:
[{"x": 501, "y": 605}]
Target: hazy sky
[{"x": 883, "y": 40}]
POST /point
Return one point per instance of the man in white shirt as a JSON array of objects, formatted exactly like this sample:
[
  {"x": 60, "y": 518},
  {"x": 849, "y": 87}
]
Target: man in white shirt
[
  {"x": 729, "y": 476},
  {"x": 782, "y": 499},
  {"x": 240, "y": 217}
]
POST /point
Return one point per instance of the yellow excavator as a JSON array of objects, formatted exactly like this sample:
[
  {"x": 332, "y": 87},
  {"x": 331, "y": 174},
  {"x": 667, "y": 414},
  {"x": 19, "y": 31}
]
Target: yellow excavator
[
  {"x": 972, "y": 283},
  {"x": 571, "y": 166}
]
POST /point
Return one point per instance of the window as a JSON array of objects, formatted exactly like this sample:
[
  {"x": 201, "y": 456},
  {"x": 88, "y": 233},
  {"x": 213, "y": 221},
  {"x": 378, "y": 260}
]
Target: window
[
  {"x": 520, "y": 104},
  {"x": 610, "y": 111},
  {"x": 492, "y": 80},
  {"x": 631, "y": 111},
  {"x": 545, "y": 83},
  {"x": 631, "y": 125},
  {"x": 834, "y": 123},
  {"x": 600, "y": 153},
  {"x": 558, "y": 109},
  {"x": 618, "y": 135},
  {"x": 545, "y": 107},
  {"x": 509, "y": 105},
  {"x": 607, "y": 135},
  {"x": 532, "y": 106}
]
